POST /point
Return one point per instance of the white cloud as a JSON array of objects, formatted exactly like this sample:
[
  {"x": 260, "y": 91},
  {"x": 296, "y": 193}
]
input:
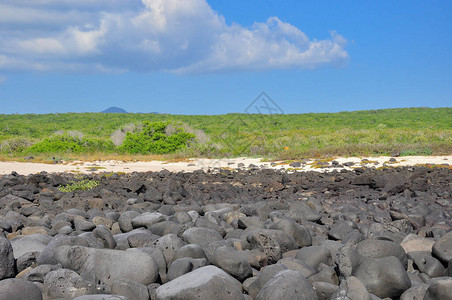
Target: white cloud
[{"x": 152, "y": 35}]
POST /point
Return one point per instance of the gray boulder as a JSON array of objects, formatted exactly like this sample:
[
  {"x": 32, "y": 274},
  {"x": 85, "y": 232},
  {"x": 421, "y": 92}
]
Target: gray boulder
[
  {"x": 201, "y": 236},
  {"x": 348, "y": 260},
  {"x": 339, "y": 231},
  {"x": 142, "y": 239},
  {"x": 285, "y": 241},
  {"x": 231, "y": 261},
  {"x": 300, "y": 233},
  {"x": 39, "y": 273},
  {"x": 47, "y": 255},
  {"x": 183, "y": 266},
  {"x": 65, "y": 230},
  {"x": 287, "y": 284},
  {"x": 83, "y": 225},
  {"x": 415, "y": 292},
  {"x": 443, "y": 247},
  {"x": 125, "y": 220},
  {"x": 315, "y": 255},
  {"x": 300, "y": 211},
  {"x": 190, "y": 250},
  {"x": 151, "y": 290},
  {"x": 101, "y": 297},
  {"x": 353, "y": 237},
  {"x": 325, "y": 274},
  {"x": 203, "y": 222},
  {"x": 108, "y": 265},
  {"x": 265, "y": 275},
  {"x": 381, "y": 248},
  {"x": 130, "y": 289},
  {"x": 250, "y": 222},
  {"x": 65, "y": 283},
  {"x": 167, "y": 227},
  {"x": 208, "y": 282},
  {"x": 324, "y": 290},
  {"x": 384, "y": 277},
  {"x": 180, "y": 217},
  {"x": 440, "y": 288},
  {"x": 103, "y": 233},
  {"x": 427, "y": 264},
  {"x": 297, "y": 265},
  {"x": 158, "y": 257},
  {"x": 449, "y": 268},
  {"x": 93, "y": 242},
  {"x": 256, "y": 258},
  {"x": 267, "y": 244},
  {"x": 26, "y": 260},
  {"x": 26, "y": 244},
  {"x": 122, "y": 239},
  {"x": 147, "y": 219},
  {"x": 19, "y": 289},
  {"x": 6, "y": 259},
  {"x": 352, "y": 288},
  {"x": 169, "y": 244}
]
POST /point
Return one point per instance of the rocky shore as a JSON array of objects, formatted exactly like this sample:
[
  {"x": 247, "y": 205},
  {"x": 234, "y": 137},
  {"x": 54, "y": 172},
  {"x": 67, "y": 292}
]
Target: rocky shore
[{"x": 231, "y": 234}]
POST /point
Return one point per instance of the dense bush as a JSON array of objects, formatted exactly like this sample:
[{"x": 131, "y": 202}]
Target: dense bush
[
  {"x": 156, "y": 138},
  {"x": 68, "y": 143}
]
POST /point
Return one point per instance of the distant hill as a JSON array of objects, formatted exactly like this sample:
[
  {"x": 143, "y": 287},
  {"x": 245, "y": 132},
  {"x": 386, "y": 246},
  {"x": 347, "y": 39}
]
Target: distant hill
[{"x": 115, "y": 109}]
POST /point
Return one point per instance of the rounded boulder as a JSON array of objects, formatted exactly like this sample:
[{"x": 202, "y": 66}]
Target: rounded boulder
[
  {"x": 108, "y": 265},
  {"x": 19, "y": 289},
  {"x": 208, "y": 282},
  {"x": 287, "y": 284}
]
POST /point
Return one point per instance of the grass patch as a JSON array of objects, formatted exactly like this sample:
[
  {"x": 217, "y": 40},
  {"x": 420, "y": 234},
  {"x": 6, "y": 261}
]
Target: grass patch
[
  {"x": 417, "y": 152},
  {"x": 435, "y": 166},
  {"x": 95, "y": 168},
  {"x": 81, "y": 185},
  {"x": 108, "y": 175}
]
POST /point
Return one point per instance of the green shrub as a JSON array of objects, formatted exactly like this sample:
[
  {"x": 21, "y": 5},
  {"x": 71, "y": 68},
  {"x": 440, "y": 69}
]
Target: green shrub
[
  {"x": 66, "y": 143},
  {"x": 156, "y": 138}
]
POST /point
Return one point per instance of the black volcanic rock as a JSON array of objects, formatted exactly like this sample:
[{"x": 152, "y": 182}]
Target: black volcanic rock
[
  {"x": 115, "y": 109},
  {"x": 279, "y": 234}
]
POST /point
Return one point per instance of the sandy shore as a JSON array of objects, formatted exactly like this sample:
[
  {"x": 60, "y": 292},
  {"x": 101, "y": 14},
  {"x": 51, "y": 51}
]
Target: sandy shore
[{"x": 26, "y": 168}]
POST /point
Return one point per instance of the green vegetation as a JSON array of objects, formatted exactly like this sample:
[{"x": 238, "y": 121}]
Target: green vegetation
[
  {"x": 409, "y": 131},
  {"x": 156, "y": 138},
  {"x": 71, "y": 144},
  {"x": 82, "y": 185}
]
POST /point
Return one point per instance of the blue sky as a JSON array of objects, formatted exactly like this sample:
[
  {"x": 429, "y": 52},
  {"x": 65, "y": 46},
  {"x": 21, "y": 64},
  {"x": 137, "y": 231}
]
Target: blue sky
[{"x": 214, "y": 57}]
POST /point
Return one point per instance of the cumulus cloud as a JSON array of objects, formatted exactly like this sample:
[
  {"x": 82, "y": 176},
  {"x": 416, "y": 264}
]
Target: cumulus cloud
[{"x": 182, "y": 36}]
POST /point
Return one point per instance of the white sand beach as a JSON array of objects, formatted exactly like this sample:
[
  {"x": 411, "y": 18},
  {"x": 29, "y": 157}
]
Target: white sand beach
[{"x": 193, "y": 164}]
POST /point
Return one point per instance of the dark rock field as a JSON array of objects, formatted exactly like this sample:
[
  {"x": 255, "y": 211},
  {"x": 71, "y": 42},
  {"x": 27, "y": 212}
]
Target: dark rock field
[{"x": 245, "y": 234}]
